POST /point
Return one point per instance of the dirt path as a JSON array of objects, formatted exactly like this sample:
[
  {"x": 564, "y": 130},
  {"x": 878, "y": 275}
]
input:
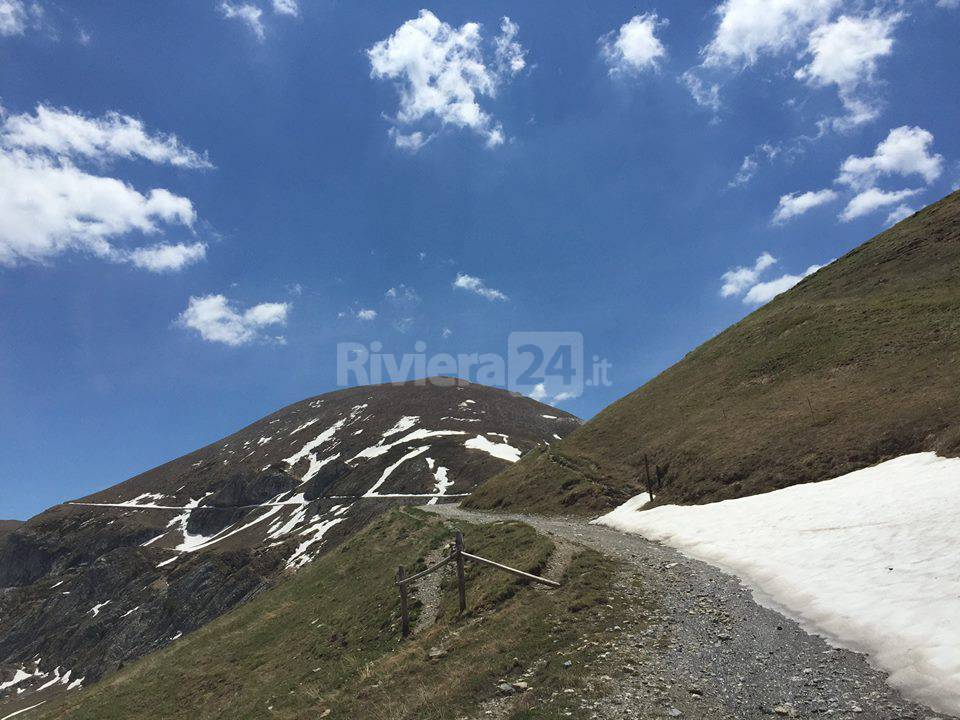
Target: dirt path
[{"x": 708, "y": 650}]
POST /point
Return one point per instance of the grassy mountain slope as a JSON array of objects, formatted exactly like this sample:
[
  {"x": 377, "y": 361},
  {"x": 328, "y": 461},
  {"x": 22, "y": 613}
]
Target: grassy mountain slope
[
  {"x": 325, "y": 643},
  {"x": 858, "y": 363}
]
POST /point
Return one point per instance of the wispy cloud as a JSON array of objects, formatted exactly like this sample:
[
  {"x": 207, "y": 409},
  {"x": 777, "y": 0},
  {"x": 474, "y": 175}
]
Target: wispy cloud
[{"x": 478, "y": 287}]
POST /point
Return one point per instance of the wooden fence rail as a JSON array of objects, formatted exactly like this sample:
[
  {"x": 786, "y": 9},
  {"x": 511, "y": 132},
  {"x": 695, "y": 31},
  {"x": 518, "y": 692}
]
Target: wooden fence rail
[{"x": 458, "y": 556}]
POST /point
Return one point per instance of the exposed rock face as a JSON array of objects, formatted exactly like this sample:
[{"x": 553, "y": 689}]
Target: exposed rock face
[{"x": 88, "y": 586}]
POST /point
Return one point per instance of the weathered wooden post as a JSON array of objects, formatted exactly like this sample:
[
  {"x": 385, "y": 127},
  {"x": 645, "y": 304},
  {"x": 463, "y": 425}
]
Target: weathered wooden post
[
  {"x": 404, "y": 611},
  {"x": 461, "y": 582}
]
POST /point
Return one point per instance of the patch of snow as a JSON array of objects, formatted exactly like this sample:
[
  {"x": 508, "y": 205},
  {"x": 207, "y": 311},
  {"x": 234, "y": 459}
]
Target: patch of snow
[
  {"x": 58, "y": 584},
  {"x": 22, "y": 710},
  {"x": 381, "y": 448},
  {"x": 18, "y": 677},
  {"x": 307, "y": 424},
  {"x": 372, "y": 492},
  {"x": 868, "y": 559},
  {"x": 177, "y": 636},
  {"x": 497, "y": 450},
  {"x": 130, "y": 611},
  {"x": 264, "y": 440},
  {"x": 442, "y": 484},
  {"x": 549, "y": 417},
  {"x": 403, "y": 424},
  {"x": 76, "y": 684},
  {"x": 458, "y": 419},
  {"x": 97, "y": 608},
  {"x": 301, "y": 556}
]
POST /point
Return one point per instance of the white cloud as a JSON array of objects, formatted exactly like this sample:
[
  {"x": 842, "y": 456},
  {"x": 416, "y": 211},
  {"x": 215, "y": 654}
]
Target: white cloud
[
  {"x": 948, "y": 4},
  {"x": 166, "y": 257},
  {"x": 250, "y": 15},
  {"x": 366, "y": 314},
  {"x": 408, "y": 141},
  {"x": 441, "y": 75},
  {"x": 509, "y": 55},
  {"x": 402, "y": 297},
  {"x": 704, "y": 94},
  {"x": 765, "y": 292},
  {"x": 541, "y": 394},
  {"x": 61, "y": 131},
  {"x": 286, "y": 7},
  {"x": 477, "y": 286},
  {"x": 16, "y": 16},
  {"x": 48, "y": 207},
  {"x": 795, "y": 204},
  {"x": 872, "y": 200},
  {"x": 845, "y": 54},
  {"x": 736, "y": 281},
  {"x": 745, "y": 282},
  {"x": 750, "y": 28},
  {"x": 218, "y": 320},
  {"x": 901, "y": 212},
  {"x": 49, "y": 204},
  {"x": 905, "y": 151},
  {"x": 635, "y": 47},
  {"x": 446, "y": 332}
]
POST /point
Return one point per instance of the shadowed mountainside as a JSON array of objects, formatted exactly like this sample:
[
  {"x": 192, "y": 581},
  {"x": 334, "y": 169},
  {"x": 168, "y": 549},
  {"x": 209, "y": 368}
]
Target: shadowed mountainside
[{"x": 86, "y": 587}]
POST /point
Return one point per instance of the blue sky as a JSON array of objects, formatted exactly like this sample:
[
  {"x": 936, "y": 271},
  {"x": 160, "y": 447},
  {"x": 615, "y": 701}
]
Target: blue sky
[{"x": 199, "y": 200}]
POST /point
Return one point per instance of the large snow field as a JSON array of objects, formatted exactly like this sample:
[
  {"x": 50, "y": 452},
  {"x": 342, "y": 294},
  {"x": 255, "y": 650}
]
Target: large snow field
[{"x": 870, "y": 560}]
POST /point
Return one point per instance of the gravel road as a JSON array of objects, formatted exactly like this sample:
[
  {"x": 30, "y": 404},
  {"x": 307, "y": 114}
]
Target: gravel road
[{"x": 706, "y": 649}]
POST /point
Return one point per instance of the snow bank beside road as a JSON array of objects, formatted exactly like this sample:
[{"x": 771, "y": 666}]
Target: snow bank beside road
[{"x": 870, "y": 559}]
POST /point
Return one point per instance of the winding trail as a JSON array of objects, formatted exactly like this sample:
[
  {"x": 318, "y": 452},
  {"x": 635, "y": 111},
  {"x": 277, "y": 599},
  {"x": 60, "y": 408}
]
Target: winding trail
[{"x": 694, "y": 644}]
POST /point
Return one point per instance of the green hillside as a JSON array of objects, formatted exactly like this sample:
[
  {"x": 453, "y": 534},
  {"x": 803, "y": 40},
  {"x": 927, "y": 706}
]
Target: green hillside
[
  {"x": 858, "y": 363},
  {"x": 326, "y": 643}
]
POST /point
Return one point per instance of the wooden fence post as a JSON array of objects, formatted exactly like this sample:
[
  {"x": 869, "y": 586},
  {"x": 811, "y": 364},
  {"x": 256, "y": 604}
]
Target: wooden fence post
[
  {"x": 404, "y": 611},
  {"x": 461, "y": 583}
]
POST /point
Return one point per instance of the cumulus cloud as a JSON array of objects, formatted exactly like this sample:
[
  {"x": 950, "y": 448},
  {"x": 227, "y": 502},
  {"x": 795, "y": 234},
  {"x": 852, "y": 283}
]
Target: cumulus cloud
[
  {"x": 905, "y": 151},
  {"x": 541, "y": 394},
  {"x": 872, "y": 200},
  {"x": 635, "y": 47},
  {"x": 246, "y": 13},
  {"x": 844, "y": 53},
  {"x": 442, "y": 73},
  {"x": 744, "y": 282},
  {"x": 738, "y": 280},
  {"x": 901, "y": 212},
  {"x": 794, "y": 204},
  {"x": 286, "y": 7},
  {"x": 840, "y": 51},
  {"x": 166, "y": 257},
  {"x": 477, "y": 286},
  {"x": 366, "y": 314},
  {"x": 217, "y": 319},
  {"x": 51, "y": 204},
  {"x": 766, "y": 291},
  {"x": 748, "y": 29}
]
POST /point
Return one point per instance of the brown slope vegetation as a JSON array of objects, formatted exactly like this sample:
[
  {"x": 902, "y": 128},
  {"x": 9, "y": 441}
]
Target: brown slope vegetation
[{"x": 858, "y": 363}]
